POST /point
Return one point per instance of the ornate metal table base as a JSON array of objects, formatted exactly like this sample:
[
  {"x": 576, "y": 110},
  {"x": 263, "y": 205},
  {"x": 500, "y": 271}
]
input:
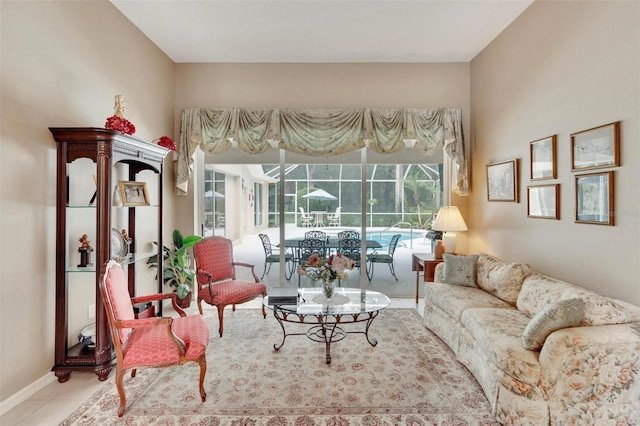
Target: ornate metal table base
[{"x": 325, "y": 331}]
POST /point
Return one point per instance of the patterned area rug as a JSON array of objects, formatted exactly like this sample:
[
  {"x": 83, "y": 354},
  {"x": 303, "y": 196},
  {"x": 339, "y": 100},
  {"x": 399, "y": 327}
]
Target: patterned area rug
[{"x": 409, "y": 378}]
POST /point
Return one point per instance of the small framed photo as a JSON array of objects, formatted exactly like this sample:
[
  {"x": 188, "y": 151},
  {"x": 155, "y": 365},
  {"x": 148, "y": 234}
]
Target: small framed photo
[
  {"x": 542, "y": 201},
  {"x": 502, "y": 181},
  {"x": 594, "y": 198},
  {"x": 133, "y": 193},
  {"x": 596, "y": 148},
  {"x": 542, "y": 154}
]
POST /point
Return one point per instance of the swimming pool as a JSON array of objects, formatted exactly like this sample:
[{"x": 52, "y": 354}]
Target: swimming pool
[{"x": 384, "y": 237}]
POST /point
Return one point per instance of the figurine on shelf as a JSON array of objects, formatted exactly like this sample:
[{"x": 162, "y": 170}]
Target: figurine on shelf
[
  {"x": 119, "y": 106},
  {"x": 85, "y": 243},
  {"x": 127, "y": 239},
  {"x": 85, "y": 250}
]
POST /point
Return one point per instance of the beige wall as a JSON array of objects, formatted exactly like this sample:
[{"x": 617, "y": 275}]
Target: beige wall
[
  {"x": 561, "y": 67},
  {"x": 62, "y": 64},
  {"x": 362, "y": 85}
]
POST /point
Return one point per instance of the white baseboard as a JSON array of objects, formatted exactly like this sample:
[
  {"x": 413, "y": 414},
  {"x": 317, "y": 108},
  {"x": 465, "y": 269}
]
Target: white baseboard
[{"x": 24, "y": 394}]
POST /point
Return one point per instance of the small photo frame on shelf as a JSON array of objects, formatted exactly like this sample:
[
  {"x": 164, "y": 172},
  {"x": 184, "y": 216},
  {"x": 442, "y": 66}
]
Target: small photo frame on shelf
[
  {"x": 542, "y": 201},
  {"x": 596, "y": 148},
  {"x": 502, "y": 181},
  {"x": 542, "y": 155},
  {"x": 594, "y": 198},
  {"x": 133, "y": 193}
]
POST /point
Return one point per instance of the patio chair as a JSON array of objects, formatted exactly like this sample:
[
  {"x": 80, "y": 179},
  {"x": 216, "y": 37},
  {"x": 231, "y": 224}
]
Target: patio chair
[
  {"x": 216, "y": 276},
  {"x": 315, "y": 234},
  {"x": 305, "y": 219},
  {"x": 273, "y": 256},
  {"x": 377, "y": 257},
  {"x": 334, "y": 219},
  {"x": 149, "y": 342},
  {"x": 348, "y": 234},
  {"x": 350, "y": 247},
  {"x": 307, "y": 247}
]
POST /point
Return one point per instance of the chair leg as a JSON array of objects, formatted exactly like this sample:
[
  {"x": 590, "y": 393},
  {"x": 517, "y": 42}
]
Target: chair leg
[
  {"x": 203, "y": 371},
  {"x": 370, "y": 270},
  {"x": 264, "y": 313},
  {"x": 393, "y": 271},
  {"x": 267, "y": 268},
  {"x": 120, "y": 387},
  {"x": 288, "y": 271},
  {"x": 200, "y": 305},
  {"x": 220, "y": 315}
]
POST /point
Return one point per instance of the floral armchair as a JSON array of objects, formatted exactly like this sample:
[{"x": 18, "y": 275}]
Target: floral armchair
[
  {"x": 149, "y": 342},
  {"x": 216, "y": 276}
]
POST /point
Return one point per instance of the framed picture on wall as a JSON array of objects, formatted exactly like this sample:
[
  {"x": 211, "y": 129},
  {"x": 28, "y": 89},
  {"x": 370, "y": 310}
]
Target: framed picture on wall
[
  {"x": 133, "y": 193},
  {"x": 542, "y": 201},
  {"x": 502, "y": 181},
  {"x": 542, "y": 155},
  {"x": 596, "y": 148},
  {"x": 594, "y": 198}
]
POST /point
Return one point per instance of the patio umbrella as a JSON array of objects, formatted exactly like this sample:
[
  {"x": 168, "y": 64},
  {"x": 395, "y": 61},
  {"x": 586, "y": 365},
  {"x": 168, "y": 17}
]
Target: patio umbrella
[{"x": 319, "y": 194}]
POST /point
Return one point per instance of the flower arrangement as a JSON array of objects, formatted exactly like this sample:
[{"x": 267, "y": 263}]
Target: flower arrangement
[
  {"x": 327, "y": 270},
  {"x": 167, "y": 142},
  {"x": 120, "y": 124}
]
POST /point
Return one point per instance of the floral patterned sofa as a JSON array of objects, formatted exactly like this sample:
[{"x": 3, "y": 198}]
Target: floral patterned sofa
[{"x": 586, "y": 374}]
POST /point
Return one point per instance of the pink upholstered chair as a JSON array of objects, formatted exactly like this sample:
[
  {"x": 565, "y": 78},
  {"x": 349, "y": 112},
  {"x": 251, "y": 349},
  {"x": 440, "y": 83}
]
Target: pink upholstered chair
[
  {"x": 149, "y": 342},
  {"x": 216, "y": 276}
]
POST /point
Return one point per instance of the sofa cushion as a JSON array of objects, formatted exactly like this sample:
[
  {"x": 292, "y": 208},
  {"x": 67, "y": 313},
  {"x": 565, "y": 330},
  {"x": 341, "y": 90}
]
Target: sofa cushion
[
  {"x": 460, "y": 270},
  {"x": 455, "y": 299},
  {"x": 539, "y": 291},
  {"x": 562, "y": 314},
  {"x": 501, "y": 279},
  {"x": 498, "y": 335}
]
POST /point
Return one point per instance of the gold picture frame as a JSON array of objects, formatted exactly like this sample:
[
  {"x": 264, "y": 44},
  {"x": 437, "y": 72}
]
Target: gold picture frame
[
  {"x": 596, "y": 148},
  {"x": 543, "y": 201},
  {"x": 542, "y": 158},
  {"x": 502, "y": 181},
  {"x": 133, "y": 193},
  {"x": 594, "y": 198}
]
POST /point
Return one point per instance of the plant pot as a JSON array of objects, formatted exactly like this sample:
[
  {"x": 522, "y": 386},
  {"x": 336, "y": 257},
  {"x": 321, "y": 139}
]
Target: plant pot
[{"x": 184, "y": 303}]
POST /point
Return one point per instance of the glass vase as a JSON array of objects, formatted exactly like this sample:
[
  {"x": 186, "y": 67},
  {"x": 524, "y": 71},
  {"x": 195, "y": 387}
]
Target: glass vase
[{"x": 328, "y": 289}]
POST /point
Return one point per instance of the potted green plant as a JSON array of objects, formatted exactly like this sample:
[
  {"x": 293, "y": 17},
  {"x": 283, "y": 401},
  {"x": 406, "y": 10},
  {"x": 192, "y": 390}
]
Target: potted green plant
[{"x": 177, "y": 271}]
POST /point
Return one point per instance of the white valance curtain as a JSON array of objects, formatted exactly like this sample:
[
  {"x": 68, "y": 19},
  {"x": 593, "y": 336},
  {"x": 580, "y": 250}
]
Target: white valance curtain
[{"x": 322, "y": 132}]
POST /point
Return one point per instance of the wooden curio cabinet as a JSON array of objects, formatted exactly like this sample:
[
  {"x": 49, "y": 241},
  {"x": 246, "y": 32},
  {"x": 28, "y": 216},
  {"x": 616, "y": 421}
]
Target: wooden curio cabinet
[{"x": 90, "y": 164}]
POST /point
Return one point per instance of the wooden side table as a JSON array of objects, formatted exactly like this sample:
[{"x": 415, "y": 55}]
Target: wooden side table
[{"x": 424, "y": 262}]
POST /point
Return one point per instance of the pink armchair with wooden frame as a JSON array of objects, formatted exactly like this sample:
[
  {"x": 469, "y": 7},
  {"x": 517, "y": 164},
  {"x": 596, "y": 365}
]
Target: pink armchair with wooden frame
[
  {"x": 149, "y": 342},
  {"x": 216, "y": 276}
]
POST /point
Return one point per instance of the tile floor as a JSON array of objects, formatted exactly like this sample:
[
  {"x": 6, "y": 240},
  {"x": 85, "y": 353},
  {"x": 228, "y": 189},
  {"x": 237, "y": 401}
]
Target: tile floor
[{"x": 56, "y": 401}]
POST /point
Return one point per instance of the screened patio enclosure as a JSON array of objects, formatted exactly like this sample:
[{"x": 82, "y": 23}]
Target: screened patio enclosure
[{"x": 407, "y": 193}]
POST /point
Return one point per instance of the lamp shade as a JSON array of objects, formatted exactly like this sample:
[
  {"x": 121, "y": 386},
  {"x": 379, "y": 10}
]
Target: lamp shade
[{"x": 449, "y": 219}]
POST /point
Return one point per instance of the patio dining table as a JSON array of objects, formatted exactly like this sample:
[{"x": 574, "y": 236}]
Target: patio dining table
[{"x": 331, "y": 243}]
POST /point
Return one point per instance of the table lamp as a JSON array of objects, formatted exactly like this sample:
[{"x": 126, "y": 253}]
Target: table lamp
[{"x": 449, "y": 220}]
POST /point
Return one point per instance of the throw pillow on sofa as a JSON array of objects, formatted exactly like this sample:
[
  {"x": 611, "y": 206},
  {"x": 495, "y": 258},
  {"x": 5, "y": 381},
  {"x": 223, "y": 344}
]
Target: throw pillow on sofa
[
  {"x": 460, "y": 270},
  {"x": 500, "y": 278},
  {"x": 562, "y": 314}
]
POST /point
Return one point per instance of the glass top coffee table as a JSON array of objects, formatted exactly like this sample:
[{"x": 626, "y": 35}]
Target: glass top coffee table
[{"x": 348, "y": 305}]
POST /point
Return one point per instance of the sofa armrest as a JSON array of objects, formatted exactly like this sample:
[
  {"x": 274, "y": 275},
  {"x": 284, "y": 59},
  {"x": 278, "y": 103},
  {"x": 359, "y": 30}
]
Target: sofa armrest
[
  {"x": 438, "y": 273},
  {"x": 593, "y": 365}
]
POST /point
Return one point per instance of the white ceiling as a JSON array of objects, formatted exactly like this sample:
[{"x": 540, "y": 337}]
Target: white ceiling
[{"x": 321, "y": 31}]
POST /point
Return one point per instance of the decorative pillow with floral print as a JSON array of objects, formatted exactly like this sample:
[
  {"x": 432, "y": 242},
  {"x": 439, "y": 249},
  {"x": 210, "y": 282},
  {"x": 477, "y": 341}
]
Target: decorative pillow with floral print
[
  {"x": 460, "y": 270},
  {"x": 563, "y": 314},
  {"x": 501, "y": 279}
]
